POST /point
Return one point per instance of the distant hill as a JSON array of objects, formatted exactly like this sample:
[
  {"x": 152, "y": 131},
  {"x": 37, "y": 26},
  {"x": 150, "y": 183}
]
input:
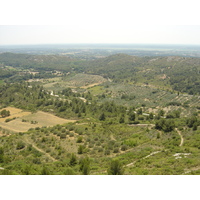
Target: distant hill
[
  {"x": 181, "y": 73},
  {"x": 42, "y": 62},
  {"x": 178, "y": 73}
]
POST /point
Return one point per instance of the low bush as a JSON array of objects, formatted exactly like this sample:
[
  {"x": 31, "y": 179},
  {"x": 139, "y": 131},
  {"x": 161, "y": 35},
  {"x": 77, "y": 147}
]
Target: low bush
[
  {"x": 63, "y": 136},
  {"x": 79, "y": 140},
  {"x": 20, "y": 145}
]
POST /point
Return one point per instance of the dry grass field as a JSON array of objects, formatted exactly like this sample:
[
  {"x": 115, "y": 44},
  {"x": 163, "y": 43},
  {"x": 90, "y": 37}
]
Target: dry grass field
[
  {"x": 46, "y": 119},
  {"x": 26, "y": 120},
  {"x": 14, "y": 112}
]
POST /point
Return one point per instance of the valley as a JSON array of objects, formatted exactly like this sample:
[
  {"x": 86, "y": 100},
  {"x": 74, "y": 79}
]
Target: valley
[{"x": 68, "y": 115}]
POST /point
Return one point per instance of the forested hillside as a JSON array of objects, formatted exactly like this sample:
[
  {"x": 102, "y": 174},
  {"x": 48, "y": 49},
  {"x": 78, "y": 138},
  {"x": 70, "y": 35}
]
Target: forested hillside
[
  {"x": 38, "y": 62},
  {"x": 182, "y": 74},
  {"x": 179, "y": 73},
  {"x": 119, "y": 114}
]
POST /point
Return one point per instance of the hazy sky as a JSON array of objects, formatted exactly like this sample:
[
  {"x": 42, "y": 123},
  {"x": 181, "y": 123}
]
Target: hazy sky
[
  {"x": 105, "y": 21},
  {"x": 63, "y": 34}
]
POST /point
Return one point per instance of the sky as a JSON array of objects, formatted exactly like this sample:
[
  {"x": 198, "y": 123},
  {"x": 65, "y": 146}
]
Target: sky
[
  {"x": 105, "y": 21},
  {"x": 51, "y": 34}
]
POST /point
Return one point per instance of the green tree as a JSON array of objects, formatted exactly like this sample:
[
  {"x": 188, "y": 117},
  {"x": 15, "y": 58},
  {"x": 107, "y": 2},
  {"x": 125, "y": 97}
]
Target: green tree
[
  {"x": 45, "y": 171},
  {"x": 173, "y": 114},
  {"x": 139, "y": 111},
  {"x": 115, "y": 168},
  {"x": 102, "y": 117},
  {"x": 124, "y": 147},
  {"x": 20, "y": 145},
  {"x": 69, "y": 171},
  {"x": 73, "y": 160},
  {"x": 121, "y": 120},
  {"x": 132, "y": 116},
  {"x": 165, "y": 125},
  {"x": 1, "y": 155},
  {"x": 195, "y": 126},
  {"x": 161, "y": 112},
  {"x": 151, "y": 116},
  {"x": 85, "y": 166},
  {"x": 80, "y": 149},
  {"x": 26, "y": 170},
  {"x": 5, "y": 113},
  {"x": 191, "y": 121},
  {"x": 79, "y": 140},
  {"x": 63, "y": 136}
]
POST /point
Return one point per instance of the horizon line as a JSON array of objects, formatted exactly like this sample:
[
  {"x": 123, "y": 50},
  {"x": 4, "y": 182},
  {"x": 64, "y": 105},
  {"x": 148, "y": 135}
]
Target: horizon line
[{"x": 40, "y": 44}]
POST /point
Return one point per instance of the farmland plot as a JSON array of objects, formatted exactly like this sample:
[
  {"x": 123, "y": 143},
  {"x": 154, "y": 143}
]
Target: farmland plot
[
  {"x": 79, "y": 80},
  {"x": 23, "y": 121}
]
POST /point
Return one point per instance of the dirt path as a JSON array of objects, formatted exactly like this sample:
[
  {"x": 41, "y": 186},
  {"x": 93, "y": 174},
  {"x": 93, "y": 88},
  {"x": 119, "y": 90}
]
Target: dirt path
[
  {"x": 182, "y": 140},
  {"x": 128, "y": 150},
  {"x": 132, "y": 163},
  {"x": 40, "y": 150},
  {"x": 151, "y": 154},
  {"x": 192, "y": 169}
]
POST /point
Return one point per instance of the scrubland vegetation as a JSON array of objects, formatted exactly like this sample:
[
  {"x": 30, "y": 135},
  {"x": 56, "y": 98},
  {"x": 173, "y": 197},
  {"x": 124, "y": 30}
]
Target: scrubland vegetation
[{"x": 115, "y": 115}]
